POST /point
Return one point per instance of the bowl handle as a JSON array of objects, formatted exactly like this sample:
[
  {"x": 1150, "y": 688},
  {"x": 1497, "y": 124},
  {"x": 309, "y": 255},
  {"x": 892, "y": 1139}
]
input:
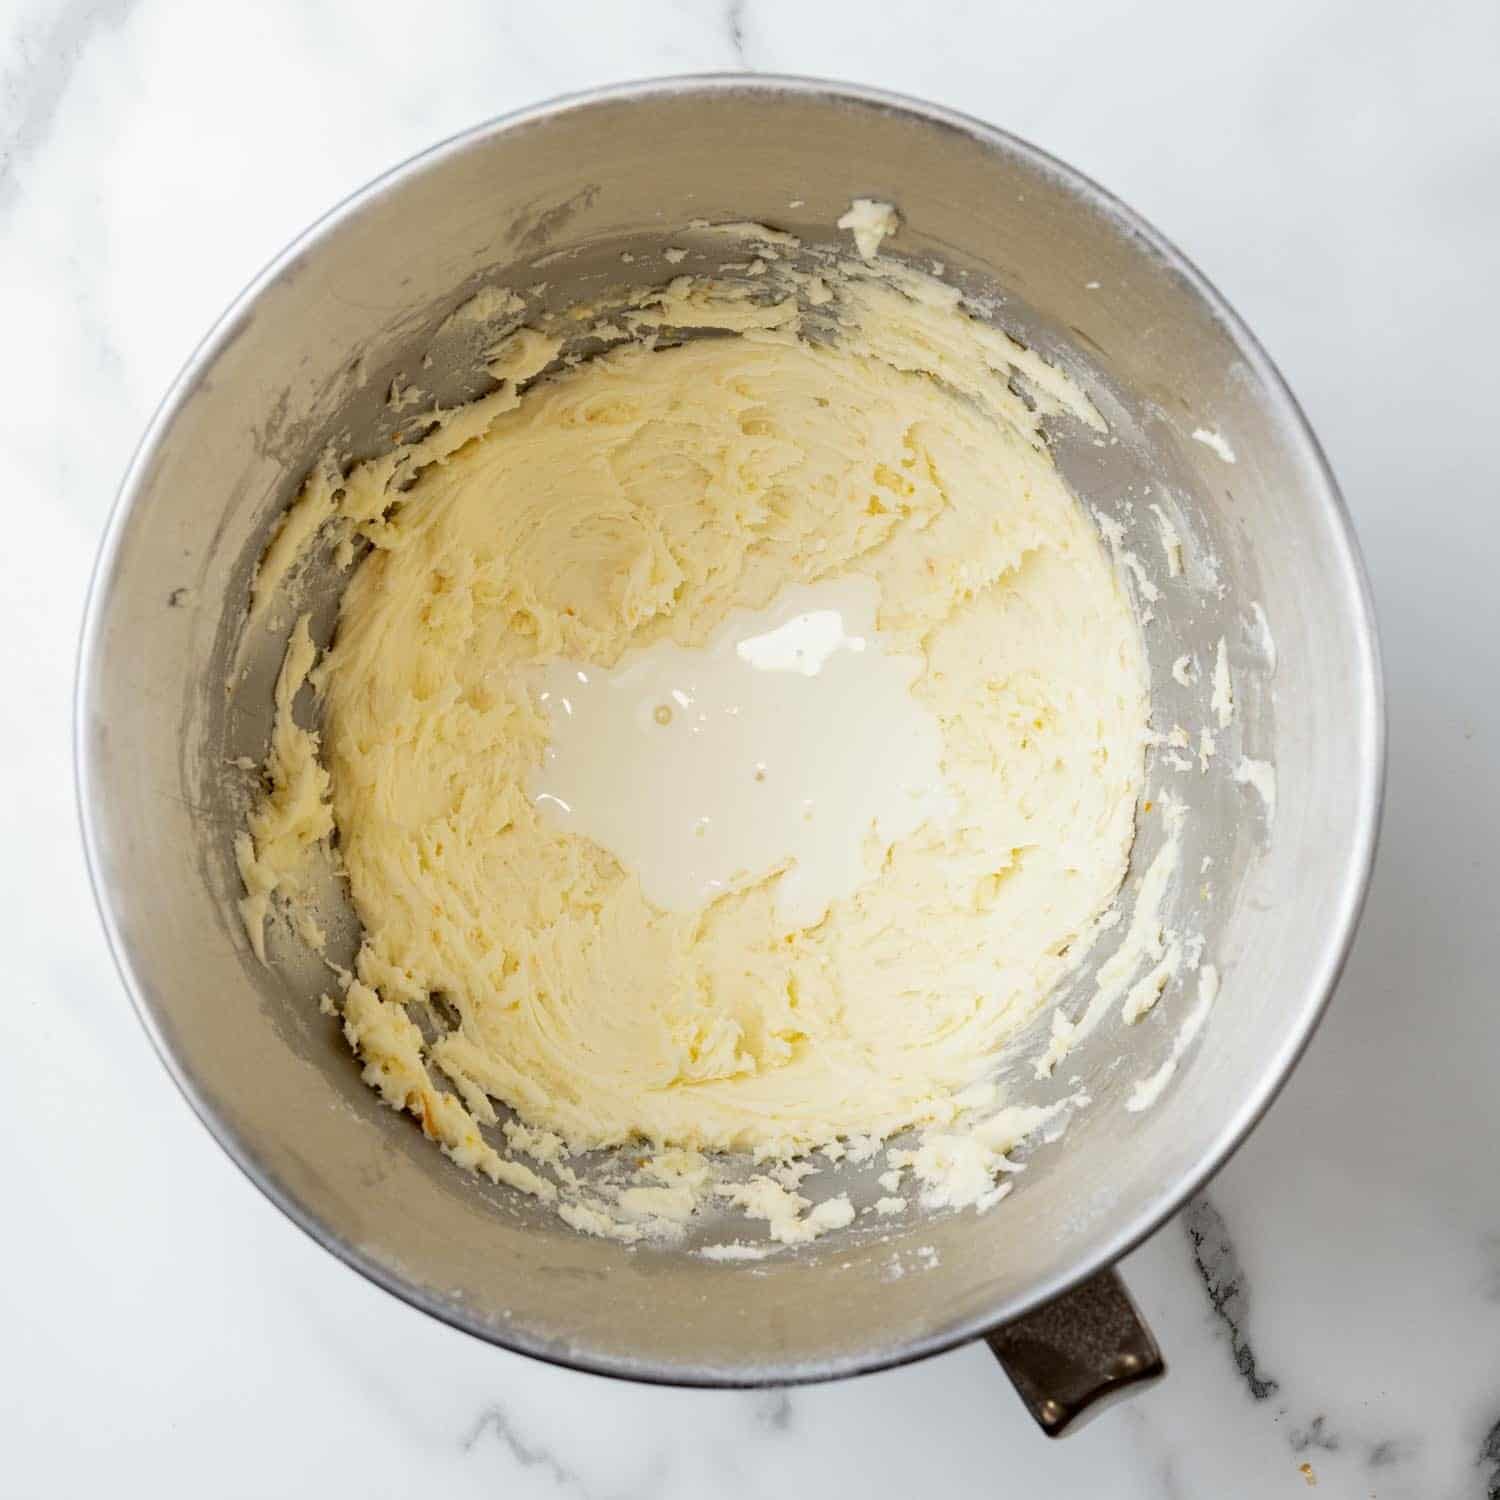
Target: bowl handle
[{"x": 1079, "y": 1354}]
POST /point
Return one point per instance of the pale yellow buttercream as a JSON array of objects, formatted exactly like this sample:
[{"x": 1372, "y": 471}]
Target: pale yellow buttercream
[{"x": 641, "y": 496}]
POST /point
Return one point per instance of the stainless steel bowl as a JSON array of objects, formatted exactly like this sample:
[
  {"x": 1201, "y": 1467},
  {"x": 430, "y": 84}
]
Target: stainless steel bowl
[{"x": 309, "y": 350}]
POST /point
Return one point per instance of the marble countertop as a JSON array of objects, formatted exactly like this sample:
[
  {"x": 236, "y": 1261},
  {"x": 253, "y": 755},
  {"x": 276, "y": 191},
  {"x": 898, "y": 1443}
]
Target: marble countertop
[{"x": 1331, "y": 1308}]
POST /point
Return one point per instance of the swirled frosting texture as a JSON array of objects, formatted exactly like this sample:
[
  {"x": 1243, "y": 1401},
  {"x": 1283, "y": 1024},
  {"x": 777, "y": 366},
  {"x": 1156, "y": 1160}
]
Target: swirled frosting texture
[{"x": 640, "y": 496}]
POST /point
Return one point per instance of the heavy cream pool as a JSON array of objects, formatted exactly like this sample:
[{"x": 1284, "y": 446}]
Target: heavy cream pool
[
  {"x": 732, "y": 741},
  {"x": 774, "y": 751}
]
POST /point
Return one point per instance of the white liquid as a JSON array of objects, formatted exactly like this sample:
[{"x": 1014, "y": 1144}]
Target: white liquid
[{"x": 790, "y": 742}]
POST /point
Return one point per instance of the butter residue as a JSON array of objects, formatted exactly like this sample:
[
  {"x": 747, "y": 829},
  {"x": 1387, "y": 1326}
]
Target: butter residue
[
  {"x": 1146, "y": 587},
  {"x": 717, "y": 471},
  {"x": 963, "y": 1168},
  {"x": 1263, "y": 630},
  {"x": 1215, "y": 441},
  {"x": 790, "y": 1218},
  {"x": 870, "y": 222},
  {"x": 1148, "y": 945},
  {"x": 1261, "y": 775},
  {"x": 294, "y": 815},
  {"x": 1171, "y": 541},
  {"x": 489, "y": 305},
  {"x": 734, "y": 1250},
  {"x": 1147, "y": 1091},
  {"x": 748, "y": 229},
  {"x": 1222, "y": 701}
]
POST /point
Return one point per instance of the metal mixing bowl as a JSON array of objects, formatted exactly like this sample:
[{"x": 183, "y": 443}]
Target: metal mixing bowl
[{"x": 166, "y": 698}]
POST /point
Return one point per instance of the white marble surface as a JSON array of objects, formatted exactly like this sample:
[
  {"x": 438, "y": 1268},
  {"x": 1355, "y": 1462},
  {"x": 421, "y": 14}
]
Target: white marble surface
[{"x": 1336, "y": 169}]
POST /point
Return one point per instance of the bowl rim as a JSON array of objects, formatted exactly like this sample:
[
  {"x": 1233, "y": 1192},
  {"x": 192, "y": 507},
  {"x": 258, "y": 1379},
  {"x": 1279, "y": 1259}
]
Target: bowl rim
[{"x": 1368, "y": 736}]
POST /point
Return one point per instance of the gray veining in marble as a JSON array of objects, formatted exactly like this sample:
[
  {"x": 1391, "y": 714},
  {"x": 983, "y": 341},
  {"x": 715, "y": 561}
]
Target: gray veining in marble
[
  {"x": 41, "y": 63},
  {"x": 1226, "y": 1285}
]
